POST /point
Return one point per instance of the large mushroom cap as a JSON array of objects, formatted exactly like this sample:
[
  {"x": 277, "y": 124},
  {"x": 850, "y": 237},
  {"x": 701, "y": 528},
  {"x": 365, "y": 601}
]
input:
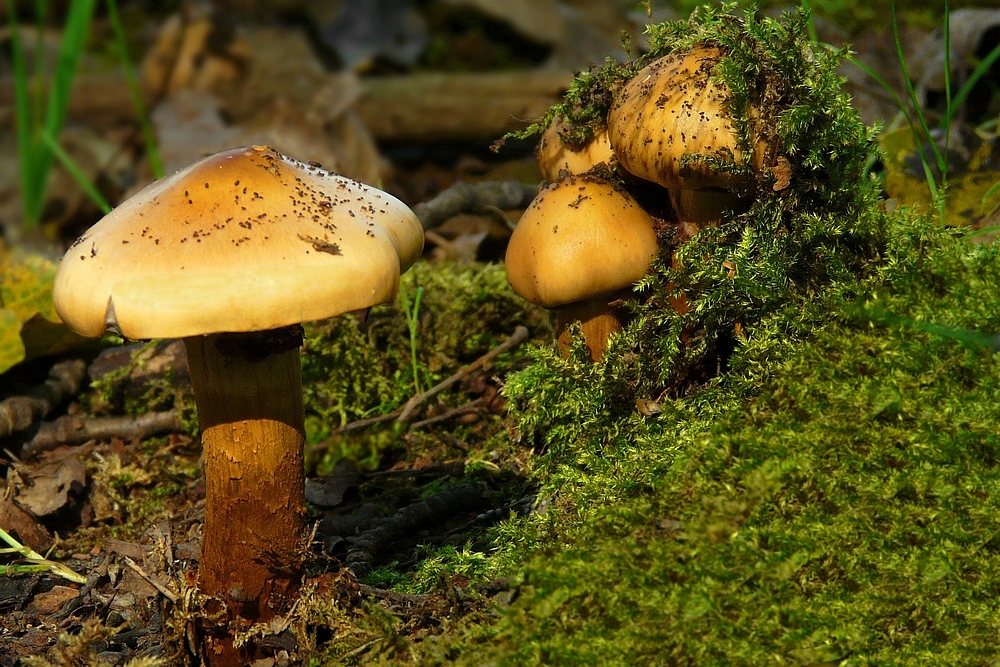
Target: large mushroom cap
[
  {"x": 580, "y": 238},
  {"x": 672, "y": 108},
  {"x": 244, "y": 240}
]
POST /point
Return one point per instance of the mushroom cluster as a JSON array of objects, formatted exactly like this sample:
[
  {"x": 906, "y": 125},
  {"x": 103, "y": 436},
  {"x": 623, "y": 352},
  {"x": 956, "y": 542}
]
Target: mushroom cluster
[
  {"x": 231, "y": 254},
  {"x": 668, "y": 128}
]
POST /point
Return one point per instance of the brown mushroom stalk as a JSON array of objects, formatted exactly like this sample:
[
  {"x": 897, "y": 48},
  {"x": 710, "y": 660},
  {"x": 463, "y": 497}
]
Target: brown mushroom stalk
[
  {"x": 248, "y": 388},
  {"x": 231, "y": 254},
  {"x": 599, "y": 318}
]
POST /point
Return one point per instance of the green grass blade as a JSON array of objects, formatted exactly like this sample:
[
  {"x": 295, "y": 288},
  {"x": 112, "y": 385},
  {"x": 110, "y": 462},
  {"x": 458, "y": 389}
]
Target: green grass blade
[
  {"x": 984, "y": 66},
  {"x": 149, "y": 137},
  {"x": 806, "y": 8},
  {"x": 918, "y": 114},
  {"x": 989, "y": 193},
  {"x": 946, "y": 120},
  {"x": 24, "y": 125},
  {"x": 73, "y": 41},
  {"x": 74, "y": 170}
]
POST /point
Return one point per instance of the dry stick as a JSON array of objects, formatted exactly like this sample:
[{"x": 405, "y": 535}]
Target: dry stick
[
  {"x": 519, "y": 336},
  {"x": 19, "y": 412},
  {"x": 71, "y": 430},
  {"x": 471, "y": 406},
  {"x": 166, "y": 592},
  {"x": 482, "y": 198}
]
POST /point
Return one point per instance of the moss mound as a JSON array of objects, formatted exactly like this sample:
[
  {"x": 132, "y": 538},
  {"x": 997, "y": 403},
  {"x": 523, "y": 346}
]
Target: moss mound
[{"x": 802, "y": 467}]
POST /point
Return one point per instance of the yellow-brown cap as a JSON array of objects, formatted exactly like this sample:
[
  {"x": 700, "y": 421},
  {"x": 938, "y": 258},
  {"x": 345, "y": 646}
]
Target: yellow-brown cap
[
  {"x": 580, "y": 238},
  {"x": 669, "y": 109},
  {"x": 556, "y": 156},
  {"x": 243, "y": 240}
]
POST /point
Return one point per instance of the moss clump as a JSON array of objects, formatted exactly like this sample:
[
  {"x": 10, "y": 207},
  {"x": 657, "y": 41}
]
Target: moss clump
[
  {"x": 760, "y": 281},
  {"x": 353, "y": 369}
]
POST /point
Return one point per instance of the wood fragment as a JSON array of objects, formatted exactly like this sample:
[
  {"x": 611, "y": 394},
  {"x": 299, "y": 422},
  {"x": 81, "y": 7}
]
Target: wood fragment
[
  {"x": 17, "y": 413},
  {"x": 479, "y": 198},
  {"x": 481, "y": 106},
  {"x": 70, "y": 430}
]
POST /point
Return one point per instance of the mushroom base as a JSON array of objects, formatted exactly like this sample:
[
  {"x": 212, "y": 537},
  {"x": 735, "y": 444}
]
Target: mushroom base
[
  {"x": 248, "y": 388},
  {"x": 696, "y": 209},
  {"x": 599, "y": 318}
]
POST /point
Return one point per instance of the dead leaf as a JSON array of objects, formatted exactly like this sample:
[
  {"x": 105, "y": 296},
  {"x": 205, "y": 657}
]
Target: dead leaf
[
  {"x": 51, "y": 486},
  {"x": 51, "y": 601},
  {"x": 28, "y": 531}
]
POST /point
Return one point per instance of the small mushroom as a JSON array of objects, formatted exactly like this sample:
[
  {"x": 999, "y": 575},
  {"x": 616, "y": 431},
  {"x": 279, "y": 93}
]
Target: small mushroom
[
  {"x": 556, "y": 157},
  {"x": 672, "y": 109},
  {"x": 232, "y": 254},
  {"x": 577, "y": 250}
]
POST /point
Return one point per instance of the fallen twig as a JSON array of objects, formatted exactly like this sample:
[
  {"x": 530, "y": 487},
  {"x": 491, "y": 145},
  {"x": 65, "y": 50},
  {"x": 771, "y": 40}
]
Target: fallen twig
[
  {"x": 482, "y": 198},
  {"x": 519, "y": 336},
  {"x": 70, "y": 430},
  {"x": 19, "y": 412},
  {"x": 404, "y": 414},
  {"x": 166, "y": 592},
  {"x": 468, "y": 408}
]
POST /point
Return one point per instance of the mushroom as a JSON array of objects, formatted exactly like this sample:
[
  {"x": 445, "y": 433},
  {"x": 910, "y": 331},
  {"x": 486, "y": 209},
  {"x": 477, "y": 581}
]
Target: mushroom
[
  {"x": 556, "y": 157},
  {"x": 671, "y": 109},
  {"x": 231, "y": 254},
  {"x": 577, "y": 250}
]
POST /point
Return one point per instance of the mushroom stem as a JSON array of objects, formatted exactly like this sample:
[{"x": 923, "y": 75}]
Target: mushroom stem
[
  {"x": 248, "y": 388},
  {"x": 697, "y": 209},
  {"x": 599, "y": 317}
]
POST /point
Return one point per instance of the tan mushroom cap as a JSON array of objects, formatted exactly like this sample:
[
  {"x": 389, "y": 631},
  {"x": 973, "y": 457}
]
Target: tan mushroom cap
[
  {"x": 580, "y": 238},
  {"x": 244, "y": 240},
  {"x": 556, "y": 156},
  {"x": 669, "y": 109}
]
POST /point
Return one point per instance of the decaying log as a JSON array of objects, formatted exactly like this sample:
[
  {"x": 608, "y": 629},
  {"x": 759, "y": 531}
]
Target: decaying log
[
  {"x": 457, "y": 107},
  {"x": 19, "y": 412}
]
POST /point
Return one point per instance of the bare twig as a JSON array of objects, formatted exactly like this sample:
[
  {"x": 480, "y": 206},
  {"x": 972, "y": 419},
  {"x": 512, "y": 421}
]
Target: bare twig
[
  {"x": 166, "y": 592},
  {"x": 19, "y": 412},
  {"x": 483, "y": 198},
  {"x": 71, "y": 430},
  {"x": 470, "y": 407},
  {"x": 519, "y": 336}
]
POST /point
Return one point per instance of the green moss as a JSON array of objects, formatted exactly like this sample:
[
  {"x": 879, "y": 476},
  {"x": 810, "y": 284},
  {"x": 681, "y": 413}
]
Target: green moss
[{"x": 353, "y": 369}]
